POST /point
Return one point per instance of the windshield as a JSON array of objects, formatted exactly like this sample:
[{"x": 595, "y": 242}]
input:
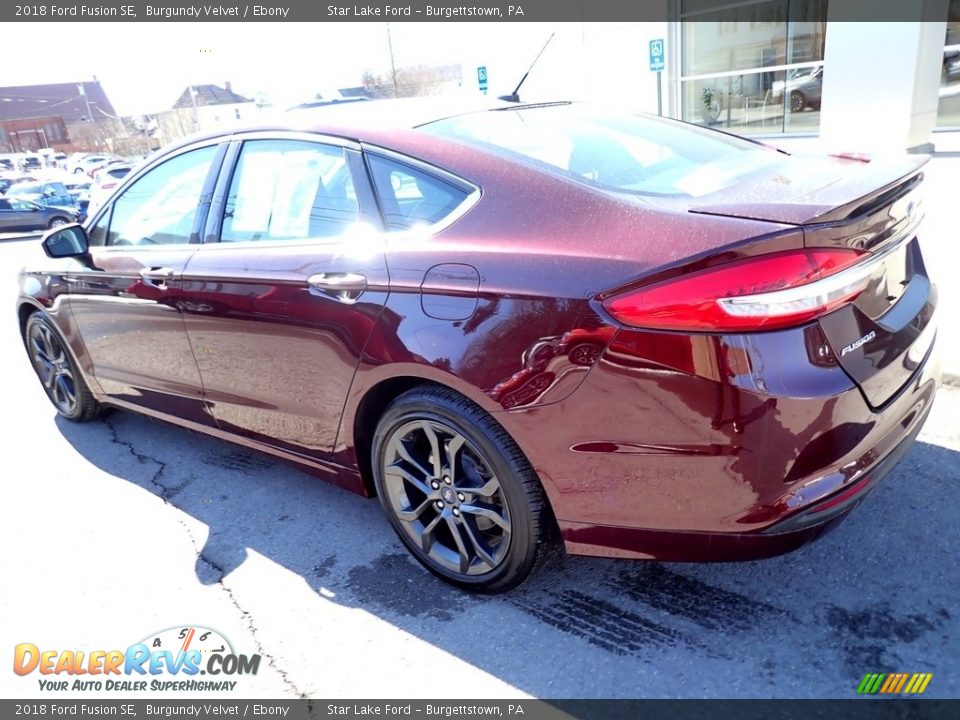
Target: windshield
[{"x": 618, "y": 151}]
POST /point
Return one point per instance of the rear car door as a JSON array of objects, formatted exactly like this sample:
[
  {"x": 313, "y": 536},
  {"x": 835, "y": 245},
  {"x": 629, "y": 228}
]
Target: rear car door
[
  {"x": 290, "y": 281},
  {"x": 128, "y": 310}
]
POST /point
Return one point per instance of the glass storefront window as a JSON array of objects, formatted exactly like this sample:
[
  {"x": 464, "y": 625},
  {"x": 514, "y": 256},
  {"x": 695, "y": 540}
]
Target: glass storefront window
[
  {"x": 948, "y": 109},
  {"x": 753, "y": 67}
]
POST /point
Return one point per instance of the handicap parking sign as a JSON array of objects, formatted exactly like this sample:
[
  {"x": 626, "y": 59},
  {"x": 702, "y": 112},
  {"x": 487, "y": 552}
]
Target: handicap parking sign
[{"x": 657, "y": 55}]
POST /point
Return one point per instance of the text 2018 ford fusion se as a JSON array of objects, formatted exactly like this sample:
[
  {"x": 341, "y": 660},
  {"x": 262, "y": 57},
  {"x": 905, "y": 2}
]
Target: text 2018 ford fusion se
[{"x": 517, "y": 325}]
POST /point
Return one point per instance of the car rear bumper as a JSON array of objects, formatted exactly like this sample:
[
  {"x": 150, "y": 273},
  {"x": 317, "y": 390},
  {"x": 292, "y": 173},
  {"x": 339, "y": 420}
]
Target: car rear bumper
[
  {"x": 782, "y": 537},
  {"x": 715, "y": 455}
]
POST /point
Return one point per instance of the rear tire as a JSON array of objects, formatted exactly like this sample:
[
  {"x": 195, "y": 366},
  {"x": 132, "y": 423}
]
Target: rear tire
[
  {"x": 458, "y": 491},
  {"x": 798, "y": 101},
  {"x": 57, "y": 370}
]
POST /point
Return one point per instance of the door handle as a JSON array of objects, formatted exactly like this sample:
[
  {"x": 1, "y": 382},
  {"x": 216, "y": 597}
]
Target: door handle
[
  {"x": 344, "y": 287},
  {"x": 157, "y": 276}
]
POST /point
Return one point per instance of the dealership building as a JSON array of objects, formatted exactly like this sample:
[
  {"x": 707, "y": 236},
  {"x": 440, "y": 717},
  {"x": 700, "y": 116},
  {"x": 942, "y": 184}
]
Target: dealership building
[{"x": 785, "y": 68}]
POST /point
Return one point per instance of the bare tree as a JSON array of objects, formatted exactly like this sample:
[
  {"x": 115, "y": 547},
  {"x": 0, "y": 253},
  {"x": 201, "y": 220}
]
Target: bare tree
[{"x": 414, "y": 81}]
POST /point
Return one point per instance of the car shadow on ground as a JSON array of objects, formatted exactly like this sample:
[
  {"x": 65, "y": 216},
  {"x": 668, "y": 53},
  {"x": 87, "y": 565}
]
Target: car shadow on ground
[{"x": 876, "y": 594}]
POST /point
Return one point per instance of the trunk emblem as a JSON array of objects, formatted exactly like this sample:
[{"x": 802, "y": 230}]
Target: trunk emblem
[{"x": 859, "y": 343}]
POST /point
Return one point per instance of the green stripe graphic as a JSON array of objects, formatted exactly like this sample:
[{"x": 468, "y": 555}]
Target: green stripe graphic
[
  {"x": 877, "y": 683},
  {"x": 864, "y": 683}
]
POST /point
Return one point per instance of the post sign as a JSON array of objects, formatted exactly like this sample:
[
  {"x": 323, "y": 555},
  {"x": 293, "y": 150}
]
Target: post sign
[
  {"x": 657, "y": 55},
  {"x": 482, "y": 77}
]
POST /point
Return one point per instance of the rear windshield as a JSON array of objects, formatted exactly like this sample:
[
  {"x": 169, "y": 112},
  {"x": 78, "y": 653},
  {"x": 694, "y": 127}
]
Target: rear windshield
[{"x": 617, "y": 151}]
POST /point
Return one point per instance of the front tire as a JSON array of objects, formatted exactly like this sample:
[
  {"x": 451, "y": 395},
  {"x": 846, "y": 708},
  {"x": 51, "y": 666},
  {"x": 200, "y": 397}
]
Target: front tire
[
  {"x": 57, "y": 222},
  {"x": 57, "y": 370},
  {"x": 459, "y": 492}
]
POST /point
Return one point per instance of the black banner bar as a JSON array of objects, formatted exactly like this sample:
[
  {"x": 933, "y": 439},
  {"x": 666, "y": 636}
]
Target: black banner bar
[
  {"x": 857, "y": 709},
  {"x": 427, "y": 11}
]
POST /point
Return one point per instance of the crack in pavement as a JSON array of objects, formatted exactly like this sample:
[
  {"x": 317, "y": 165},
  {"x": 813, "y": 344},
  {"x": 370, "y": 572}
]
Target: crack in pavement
[
  {"x": 166, "y": 493},
  {"x": 248, "y": 619}
]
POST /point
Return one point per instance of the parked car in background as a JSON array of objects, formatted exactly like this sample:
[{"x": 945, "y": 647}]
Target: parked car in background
[
  {"x": 53, "y": 194},
  {"x": 24, "y": 216},
  {"x": 83, "y": 165},
  {"x": 7, "y": 164},
  {"x": 803, "y": 87},
  {"x": 513, "y": 324},
  {"x": 94, "y": 169},
  {"x": 951, "y": 64},
  {"x": 79, "y": 187},
  {"x": 107, "y": 180},
  {"x": 11, "y": 180},
  {"x": 31, "y": 162}
]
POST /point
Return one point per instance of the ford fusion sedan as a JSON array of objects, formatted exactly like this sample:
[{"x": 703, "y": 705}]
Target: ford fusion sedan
[{"x": 520, "y": 327}]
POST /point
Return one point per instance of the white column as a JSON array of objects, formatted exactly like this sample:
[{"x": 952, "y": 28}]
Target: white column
[{"x": 880, "y": 83}]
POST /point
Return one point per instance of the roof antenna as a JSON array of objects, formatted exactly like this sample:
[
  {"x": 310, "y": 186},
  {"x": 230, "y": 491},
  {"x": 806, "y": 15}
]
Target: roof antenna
[{"x": 514, "y": 96}]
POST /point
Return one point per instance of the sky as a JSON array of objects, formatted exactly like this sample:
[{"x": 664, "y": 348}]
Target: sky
[{"x": 144, "y": 67}]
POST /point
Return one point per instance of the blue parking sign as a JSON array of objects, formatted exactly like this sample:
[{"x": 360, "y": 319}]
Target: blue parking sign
[
  {"x": 482, "y": 77},
  {"x": 657, "y": 55}
]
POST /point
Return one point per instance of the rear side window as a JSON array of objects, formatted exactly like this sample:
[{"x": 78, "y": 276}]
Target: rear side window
[
  {"x": 411, "y": 196},
  {"x": 289, "y": 190},
  {"x": 618, "y": 151}
]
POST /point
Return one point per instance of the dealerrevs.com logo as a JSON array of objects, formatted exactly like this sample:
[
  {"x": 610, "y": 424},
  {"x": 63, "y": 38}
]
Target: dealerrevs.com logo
[{"x": 181, "y": 653}]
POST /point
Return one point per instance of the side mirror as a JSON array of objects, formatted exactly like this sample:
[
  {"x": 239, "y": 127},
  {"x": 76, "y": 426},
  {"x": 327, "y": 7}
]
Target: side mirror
[{"x": 66, "y": 241}]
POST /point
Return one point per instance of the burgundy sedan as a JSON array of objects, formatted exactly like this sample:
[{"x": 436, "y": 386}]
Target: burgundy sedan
[{"x": 517, "y": 326}]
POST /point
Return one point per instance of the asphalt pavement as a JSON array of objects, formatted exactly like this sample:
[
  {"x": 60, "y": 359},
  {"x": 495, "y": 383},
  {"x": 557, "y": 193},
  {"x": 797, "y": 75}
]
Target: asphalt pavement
[{"x": 115, "y": 530}]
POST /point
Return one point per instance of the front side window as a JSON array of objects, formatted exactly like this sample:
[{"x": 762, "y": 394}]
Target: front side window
[
  {"x": 412, "y": 197},
  {"x": 289, "y": 190},
  {"x": 160, "y": 207}
]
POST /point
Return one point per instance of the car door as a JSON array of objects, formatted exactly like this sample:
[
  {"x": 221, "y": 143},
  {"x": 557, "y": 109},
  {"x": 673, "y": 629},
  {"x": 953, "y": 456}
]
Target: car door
[
  {"x": 290, "y": 281},
  {"x": 21, "y": 215},
  {"x": 10, "y": 219},
  {"x": 56, "y": 195},
  {"x": 127, "y": 309}
]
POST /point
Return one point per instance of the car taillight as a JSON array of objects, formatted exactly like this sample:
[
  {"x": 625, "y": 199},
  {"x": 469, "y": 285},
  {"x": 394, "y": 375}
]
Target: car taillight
[{"x": 759, "y": 293}]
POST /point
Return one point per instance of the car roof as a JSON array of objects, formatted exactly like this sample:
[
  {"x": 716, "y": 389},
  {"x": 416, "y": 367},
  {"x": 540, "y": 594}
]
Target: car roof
[
  {"x": 394, "y": 114},
  {"x": 357, "y": 120}
]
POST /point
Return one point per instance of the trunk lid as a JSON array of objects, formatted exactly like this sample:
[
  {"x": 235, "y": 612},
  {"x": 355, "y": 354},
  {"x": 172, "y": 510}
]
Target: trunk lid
[
  {"x": 884, "y": 335},
  {"x": 805, "y": 190}
]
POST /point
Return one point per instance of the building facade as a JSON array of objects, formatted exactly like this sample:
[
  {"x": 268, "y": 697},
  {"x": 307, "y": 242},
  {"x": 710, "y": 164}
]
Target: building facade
[{"x": 775, "y": 68}]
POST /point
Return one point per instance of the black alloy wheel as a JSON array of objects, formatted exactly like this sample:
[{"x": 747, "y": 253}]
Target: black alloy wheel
[
  {"x": 797, "y": 101},
  {"x": 458, "y": 491},
  {"x": 57, "y": 371}
]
